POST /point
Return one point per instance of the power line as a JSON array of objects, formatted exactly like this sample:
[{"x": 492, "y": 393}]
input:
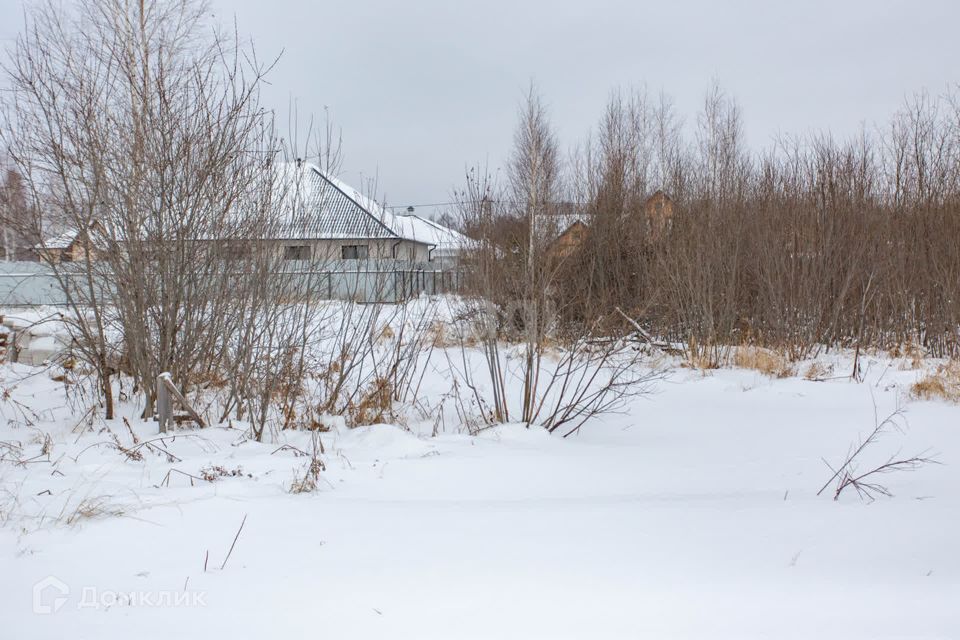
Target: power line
[{"x": 417, "y": 206}]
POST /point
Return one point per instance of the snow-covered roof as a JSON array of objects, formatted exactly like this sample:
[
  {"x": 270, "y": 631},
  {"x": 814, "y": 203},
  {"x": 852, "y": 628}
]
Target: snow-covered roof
[
  {"x": 62, "y": 241},
  {"x": 446, "y": 241},
  {"x": 315, "y": 206},
  {"x": 318, "y": 206}
]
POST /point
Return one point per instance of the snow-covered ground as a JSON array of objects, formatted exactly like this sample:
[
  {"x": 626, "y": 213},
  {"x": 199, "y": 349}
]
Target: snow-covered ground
[{"x": 692, "y": 515}]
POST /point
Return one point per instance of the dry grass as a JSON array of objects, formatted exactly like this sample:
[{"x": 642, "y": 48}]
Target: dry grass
[
  {"x": 700, "y": 361},
  {"x": 440, "y": 336},
  {"x": 375, "y": 405},
  {"x": 705, "y": 356},
  {"x": 765, "y": 361},
  {"x": 818, "y": 371},
  {"x": 92, "y": 509},
  {"x": 944, "y": 384},
  {"x": 45, "y": 442},
  {"x": 307, "y": 482},
  {"x": 386, "y": 333},
  {"x": 212, "y": 473},
  {"x": 910, "y": 355},
  {"x": 316, "y": 424}
]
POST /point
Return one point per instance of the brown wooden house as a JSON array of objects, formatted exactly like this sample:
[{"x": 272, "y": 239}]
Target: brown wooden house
[
  {"x": 569, "y": 240},
  {"x": 658, "y": 209},
  {"x": 66, "y": 247},
  {"x": 657, "y": 217}
]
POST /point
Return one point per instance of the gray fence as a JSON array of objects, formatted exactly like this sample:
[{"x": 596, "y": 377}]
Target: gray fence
[
  {"x": 33, "y": 283},
  {"x": 29, "y": 283},
  {"x": 368, "y": 281}
]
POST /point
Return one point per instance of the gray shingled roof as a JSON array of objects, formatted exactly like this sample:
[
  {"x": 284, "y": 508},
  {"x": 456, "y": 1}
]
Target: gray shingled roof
[{"x": 319, "y": 207}]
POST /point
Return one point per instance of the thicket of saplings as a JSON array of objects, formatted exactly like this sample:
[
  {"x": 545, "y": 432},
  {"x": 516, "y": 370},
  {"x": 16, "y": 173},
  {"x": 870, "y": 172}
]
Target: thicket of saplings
[{"x": 810, "y": 244}]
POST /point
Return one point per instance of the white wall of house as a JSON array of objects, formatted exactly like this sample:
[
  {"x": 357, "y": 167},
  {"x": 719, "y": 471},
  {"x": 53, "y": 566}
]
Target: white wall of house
[{"x": 354, "y": 249}]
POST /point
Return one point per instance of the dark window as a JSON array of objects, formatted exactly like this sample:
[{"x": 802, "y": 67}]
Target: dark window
[
  {"x": 296, "y": 252},
  {"x": 354, "y": 252},
  {"x": 236, "y": 252}
]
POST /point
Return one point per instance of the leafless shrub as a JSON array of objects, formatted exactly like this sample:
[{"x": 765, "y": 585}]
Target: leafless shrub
[
  {"x": 19, "y": 235},
  {"x": 176, "y": 199},
  {"x": 366, "y": 360},
  {"x": 269, "y": 364},
  {"x": 535, "y": 369},
  {"x": 866, "y": 482}
]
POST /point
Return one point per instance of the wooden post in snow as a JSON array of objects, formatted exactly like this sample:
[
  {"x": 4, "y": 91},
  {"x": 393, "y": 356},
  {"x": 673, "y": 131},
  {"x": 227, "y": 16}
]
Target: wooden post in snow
[
  {"x": 167, "y": 392},
  {"x": 164, "y": 403}
]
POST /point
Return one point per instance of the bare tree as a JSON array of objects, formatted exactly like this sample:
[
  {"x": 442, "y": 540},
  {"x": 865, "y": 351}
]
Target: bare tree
[
  {"x": 517, "y": 294},
  {"x": 139, "y": 131},
  {"x": 19, "y": 235}
]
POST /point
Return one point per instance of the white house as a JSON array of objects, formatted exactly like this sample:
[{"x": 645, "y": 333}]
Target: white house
[
  {"x": 323, "y": 218},
  {"x": 446, "y": 244}
]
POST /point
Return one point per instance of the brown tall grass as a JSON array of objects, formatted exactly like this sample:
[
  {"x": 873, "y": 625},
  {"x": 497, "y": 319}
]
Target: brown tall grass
[{"x": 942, "y": 384}]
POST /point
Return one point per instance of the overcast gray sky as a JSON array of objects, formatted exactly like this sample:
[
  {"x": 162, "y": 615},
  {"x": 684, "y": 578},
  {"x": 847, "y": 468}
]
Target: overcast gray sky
[{"x": 420, "y": 88}]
